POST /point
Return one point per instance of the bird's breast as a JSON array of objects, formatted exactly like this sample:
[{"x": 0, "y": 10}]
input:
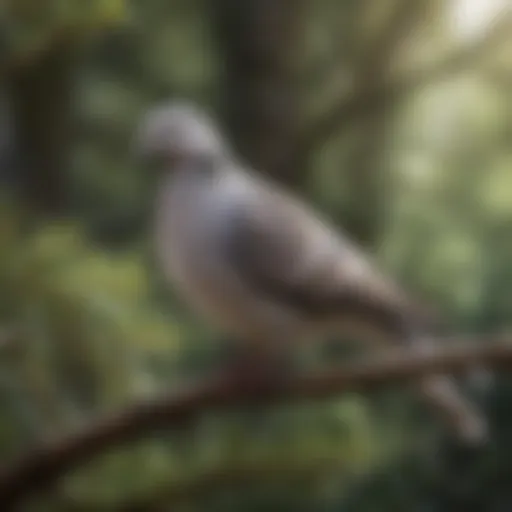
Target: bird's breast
[
  {"x": 188, "y": 222},
  {"x": 182, "y": 219},
  {"x": 190, "y": 231}
]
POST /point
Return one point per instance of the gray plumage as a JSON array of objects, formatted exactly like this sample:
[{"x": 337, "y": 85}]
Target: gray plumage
[{"x": 260, "y": 265}]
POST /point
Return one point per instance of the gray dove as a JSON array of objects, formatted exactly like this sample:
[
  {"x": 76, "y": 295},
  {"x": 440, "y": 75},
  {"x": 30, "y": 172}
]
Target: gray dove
[{"x": 257, "y": 263}]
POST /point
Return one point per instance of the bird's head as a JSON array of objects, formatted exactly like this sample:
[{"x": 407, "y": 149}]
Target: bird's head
[{"x": 176, "y": 133}]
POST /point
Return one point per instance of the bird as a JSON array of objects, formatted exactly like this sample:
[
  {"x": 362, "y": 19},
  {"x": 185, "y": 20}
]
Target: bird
[{"x": 254, "y": 260}]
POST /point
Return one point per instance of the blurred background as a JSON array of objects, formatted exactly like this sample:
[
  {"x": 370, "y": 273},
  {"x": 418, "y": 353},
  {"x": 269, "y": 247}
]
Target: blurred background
[{"x": 394, "y": 117}]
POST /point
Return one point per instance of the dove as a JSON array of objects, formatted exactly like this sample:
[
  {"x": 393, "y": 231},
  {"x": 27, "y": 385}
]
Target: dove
[{"x": 255, "y": 261}]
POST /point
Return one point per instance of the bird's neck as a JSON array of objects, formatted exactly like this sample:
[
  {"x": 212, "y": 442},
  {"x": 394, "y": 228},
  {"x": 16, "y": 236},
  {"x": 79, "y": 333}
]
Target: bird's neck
[{"x": 193, "y": 173}]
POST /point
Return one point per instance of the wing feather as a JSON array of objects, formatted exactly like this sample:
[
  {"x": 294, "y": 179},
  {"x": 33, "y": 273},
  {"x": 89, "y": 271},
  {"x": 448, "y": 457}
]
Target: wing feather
[{"x": 288, "y": 255}]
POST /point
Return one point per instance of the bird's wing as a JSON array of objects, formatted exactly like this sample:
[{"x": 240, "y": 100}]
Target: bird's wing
[{"x": 286, "y": 254}]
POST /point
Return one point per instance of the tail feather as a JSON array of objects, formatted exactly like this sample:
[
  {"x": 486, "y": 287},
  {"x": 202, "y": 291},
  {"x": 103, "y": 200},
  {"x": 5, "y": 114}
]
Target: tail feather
[
  {"x": 446, "y": 399},
  {"x": 441, "y": 393}
]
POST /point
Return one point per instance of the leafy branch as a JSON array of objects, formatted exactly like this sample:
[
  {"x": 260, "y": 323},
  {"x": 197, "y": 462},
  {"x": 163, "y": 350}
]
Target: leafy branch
[{"x": 364, "y": 102}]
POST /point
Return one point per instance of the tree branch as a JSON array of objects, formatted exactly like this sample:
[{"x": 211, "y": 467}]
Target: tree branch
[
  {"x": 45, "y": 465},
  {"x": 403, "y": 19},
  {"x": 366, "y": 102}
]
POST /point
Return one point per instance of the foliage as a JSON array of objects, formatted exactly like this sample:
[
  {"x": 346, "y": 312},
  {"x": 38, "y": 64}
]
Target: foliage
[
  {"x": 87, "y": 325},
  {"x": 91, "y": 339},
  {"x": 31, "y": 26}
]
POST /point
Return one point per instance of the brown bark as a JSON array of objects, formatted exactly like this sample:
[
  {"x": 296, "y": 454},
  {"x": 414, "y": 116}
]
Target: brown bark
[
  {"x": 41, "y": 468},
  {"x": 260, "y": 43},
  {"x": 40, "y": 94}
]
